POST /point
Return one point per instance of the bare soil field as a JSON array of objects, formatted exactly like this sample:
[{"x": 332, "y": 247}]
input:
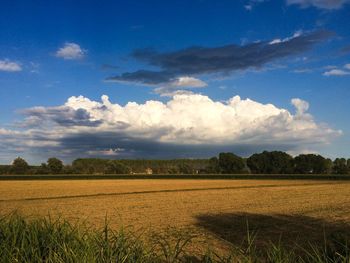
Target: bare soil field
[{"x": 293, "y": 209}]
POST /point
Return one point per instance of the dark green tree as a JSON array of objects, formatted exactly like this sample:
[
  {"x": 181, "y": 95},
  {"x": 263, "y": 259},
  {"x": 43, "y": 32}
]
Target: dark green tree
[
  {"x": 43, "y": 169},
  {"x": 311, "y": 164},
  {"x": 19, "y": 166},
  {"x": 54, "y": 165},
  {"x": 116, "y": 167},
  {"x": 68, "y": 169},
  {"x": 5, "y": 169},
  {"x": 213, "y": 166},
  {"x": 275, "y": 162},
  {"x": 340, "y": 166},
  {"x": 230, "y": 163},
  {"x": 329, "y": 166},
  {"x": 89, "y": 166},
  {"x": 185, "y": 168}
]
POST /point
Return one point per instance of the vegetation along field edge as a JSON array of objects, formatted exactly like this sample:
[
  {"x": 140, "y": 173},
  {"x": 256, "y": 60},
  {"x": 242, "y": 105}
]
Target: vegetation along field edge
[{"x": 189, "y": 176}]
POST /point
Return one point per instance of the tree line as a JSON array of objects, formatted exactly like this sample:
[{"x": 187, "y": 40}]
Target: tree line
[{"x": 273, "y": 162}]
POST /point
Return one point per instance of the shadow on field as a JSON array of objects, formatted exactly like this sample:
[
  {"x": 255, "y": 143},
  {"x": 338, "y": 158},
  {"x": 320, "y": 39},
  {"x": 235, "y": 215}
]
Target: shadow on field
[{"x": 287, "y": 229}]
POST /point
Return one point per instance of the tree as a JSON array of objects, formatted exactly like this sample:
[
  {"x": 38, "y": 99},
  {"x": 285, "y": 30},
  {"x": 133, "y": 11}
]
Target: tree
[
  {"x": 19, "y": 166},
  {"x": 89, "y": 166},
  {"x": 340, "y": 166},
  {"x": 185, "y": 168},
  {"x": 213, "y": 166},
  {"x": 116, "y": 167},
  {"x": 311, "y": 163},
  {"x": 68, "y": 169},
  {"x": 275, "y": 162},
  {"x": 43, "y": 169},
  {"x": 329, "y": 166},
  {"x": 230, "y": 163},
  {"x": 5, "y": 169},
  {"x": 55, "y": 165}
]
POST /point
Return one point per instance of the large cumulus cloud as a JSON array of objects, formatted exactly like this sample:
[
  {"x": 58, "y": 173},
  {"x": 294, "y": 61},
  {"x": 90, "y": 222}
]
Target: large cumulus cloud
[{"x": 188, "y": 125}]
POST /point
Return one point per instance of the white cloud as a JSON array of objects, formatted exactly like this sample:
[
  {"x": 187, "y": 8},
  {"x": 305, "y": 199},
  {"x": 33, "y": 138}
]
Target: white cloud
[
  {"x": 178, "y": 86},
  {"x": 70, "y": 51},
  {"x": 301, "y": 106},
  {"x": 275, "y": 41},
  {"x": 186, "y": 81},
  {"x": 169, "y": 92},
  {"x": 278, "y": 40},
  {"x": 336, "y": 72},
  {"x": 323, "y": 4},
  {"x": 9, "y": 66},
  {"x": 304, "y": 151},
  {"x": 109, "y": 152},
  {"x": 194, "y": 118},
  {"x": 180, "y": 127}
]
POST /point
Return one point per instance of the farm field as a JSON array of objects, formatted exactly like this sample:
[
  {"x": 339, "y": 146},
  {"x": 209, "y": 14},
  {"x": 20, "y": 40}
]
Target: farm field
[{"x": 218, "y": 209}]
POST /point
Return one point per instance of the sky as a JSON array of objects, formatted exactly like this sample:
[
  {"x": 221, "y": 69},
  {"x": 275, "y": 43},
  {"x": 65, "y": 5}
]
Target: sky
[{"x": 173, "y": 79}]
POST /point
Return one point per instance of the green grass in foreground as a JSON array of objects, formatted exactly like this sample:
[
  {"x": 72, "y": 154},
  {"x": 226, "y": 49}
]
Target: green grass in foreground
[{"x": 48, "y": 240}]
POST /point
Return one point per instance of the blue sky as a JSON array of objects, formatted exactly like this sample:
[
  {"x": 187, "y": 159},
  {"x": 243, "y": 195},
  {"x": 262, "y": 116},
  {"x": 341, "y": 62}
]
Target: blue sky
[{"x": 198, "y": 53}]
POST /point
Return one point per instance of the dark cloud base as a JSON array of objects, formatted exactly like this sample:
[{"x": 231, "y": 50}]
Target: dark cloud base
[
  {"x": 89, "y": 145},
  {"x": 222, "y": 60}
]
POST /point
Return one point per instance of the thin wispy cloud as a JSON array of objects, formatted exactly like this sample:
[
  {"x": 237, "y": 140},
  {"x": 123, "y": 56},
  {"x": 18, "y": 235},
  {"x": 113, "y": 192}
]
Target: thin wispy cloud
[
  {"x": 248, "y": 7},
  {"x": 334, "y": 71},
  {"x": 278, "y": 40},
  {"x": 302, "y": 70},
  {"x": 70, "y": 51},
  {"x": 345, "y": 50},
  {"x": 322, "y": 4}
]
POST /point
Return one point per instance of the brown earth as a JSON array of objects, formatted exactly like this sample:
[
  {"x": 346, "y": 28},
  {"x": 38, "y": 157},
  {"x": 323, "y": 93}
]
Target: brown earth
[{"x": 221, "y": 210}]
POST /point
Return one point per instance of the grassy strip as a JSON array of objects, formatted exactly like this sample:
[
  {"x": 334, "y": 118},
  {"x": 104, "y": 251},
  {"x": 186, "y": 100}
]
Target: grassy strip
[
  {"x": 189, "y": 176},
  {"x": 48, "y": 240}
]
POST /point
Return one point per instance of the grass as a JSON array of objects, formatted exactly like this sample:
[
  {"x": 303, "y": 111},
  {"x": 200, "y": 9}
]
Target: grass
[{"x": 48, "y": 240}]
